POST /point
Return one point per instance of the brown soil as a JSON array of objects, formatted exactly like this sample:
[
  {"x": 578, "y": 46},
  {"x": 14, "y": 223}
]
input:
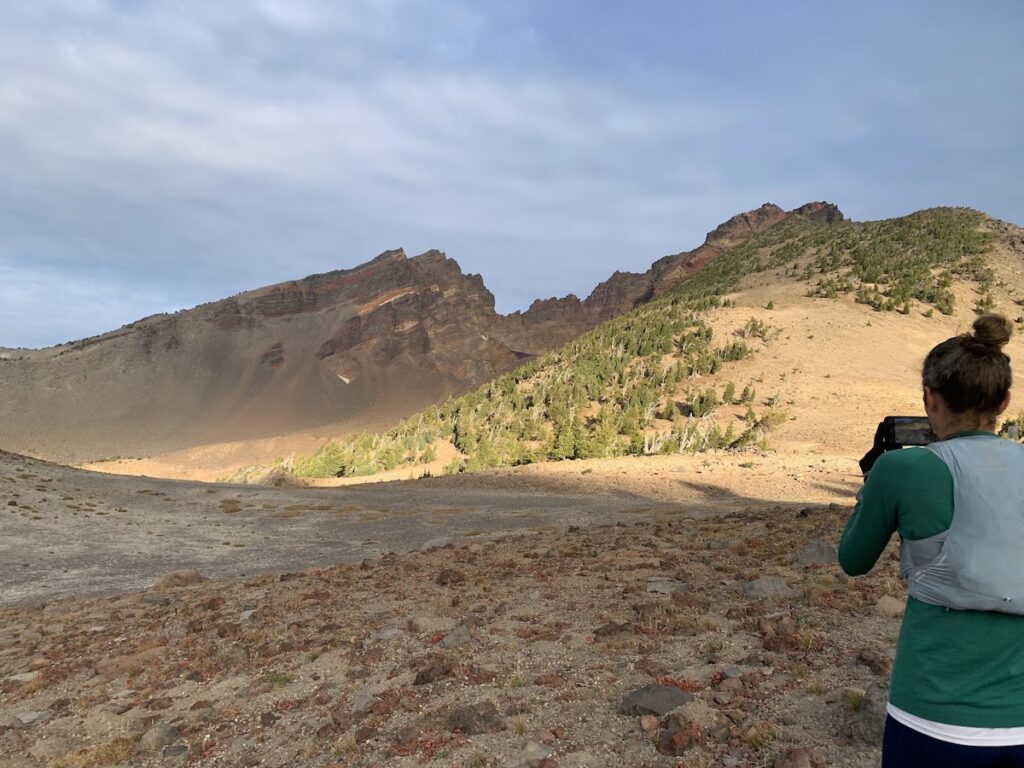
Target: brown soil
[{"x": 529, "y": 640}]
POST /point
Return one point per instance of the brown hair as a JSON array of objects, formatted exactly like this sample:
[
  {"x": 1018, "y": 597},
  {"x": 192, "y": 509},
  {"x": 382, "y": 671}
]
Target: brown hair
[{"x": 970, "y": 371}]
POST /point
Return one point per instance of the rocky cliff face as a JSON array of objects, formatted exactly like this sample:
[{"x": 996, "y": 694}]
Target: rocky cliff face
[
  {"x": 352, "y": 348},
  {"x": 558, "y": 320}
]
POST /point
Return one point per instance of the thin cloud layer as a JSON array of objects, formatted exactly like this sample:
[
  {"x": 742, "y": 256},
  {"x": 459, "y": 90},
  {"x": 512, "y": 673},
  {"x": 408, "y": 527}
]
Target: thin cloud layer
[{"x": 155, "y": 155}]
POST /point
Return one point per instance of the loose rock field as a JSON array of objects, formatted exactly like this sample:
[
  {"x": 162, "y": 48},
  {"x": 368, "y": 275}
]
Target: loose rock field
[{"x": 724, "y": 641}]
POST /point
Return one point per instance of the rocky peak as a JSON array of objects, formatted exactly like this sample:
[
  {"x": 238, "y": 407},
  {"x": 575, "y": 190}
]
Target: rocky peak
[
  {"x": 820, "y": 212},
  {"x": 741, "y": 226}
]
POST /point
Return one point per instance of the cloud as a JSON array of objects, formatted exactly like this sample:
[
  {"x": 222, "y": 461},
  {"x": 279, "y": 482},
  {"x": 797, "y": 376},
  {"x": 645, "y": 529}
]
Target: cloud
[{"x": 183, "y": 152}]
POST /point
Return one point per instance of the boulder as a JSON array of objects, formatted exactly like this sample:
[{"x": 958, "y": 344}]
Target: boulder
[
  {"x": 474, "y": 719},
  {"x": 767, "y": 586},
  {"x": 653, "y": 700},
  {"x": 159, "y": 736},
  {"x": 817, "y": 553}
]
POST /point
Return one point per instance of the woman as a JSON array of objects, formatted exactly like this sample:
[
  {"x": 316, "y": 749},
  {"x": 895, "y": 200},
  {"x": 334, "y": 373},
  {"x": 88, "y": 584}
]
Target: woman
[{"x": 957, "y": 691}]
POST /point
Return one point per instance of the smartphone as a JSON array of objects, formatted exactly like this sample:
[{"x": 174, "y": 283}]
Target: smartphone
[{"x": 908, "y": 430}]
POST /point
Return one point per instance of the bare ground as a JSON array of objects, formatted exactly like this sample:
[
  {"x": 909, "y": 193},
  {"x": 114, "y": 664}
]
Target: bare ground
[
  {"x": 495, "y": 621},
  {"x": 67, "y": 531}
]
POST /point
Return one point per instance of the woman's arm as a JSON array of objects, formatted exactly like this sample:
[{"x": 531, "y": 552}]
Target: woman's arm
[{"x": 873, "y": 520}]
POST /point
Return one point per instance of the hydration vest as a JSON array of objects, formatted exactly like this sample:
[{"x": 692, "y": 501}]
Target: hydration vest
[{"x": 978, "y": 563}]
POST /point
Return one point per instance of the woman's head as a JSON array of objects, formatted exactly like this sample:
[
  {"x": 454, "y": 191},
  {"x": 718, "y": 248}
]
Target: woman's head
[{"x": 971, "y": 373}]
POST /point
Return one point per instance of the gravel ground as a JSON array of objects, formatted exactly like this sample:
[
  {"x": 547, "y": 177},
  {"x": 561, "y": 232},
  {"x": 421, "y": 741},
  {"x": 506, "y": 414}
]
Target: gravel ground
[
  {"x": 70, "y": 532},
  {"x": 514, "y": 652}
]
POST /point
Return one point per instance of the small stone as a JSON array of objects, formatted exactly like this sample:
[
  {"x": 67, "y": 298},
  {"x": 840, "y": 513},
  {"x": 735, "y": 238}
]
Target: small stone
[
  {"x": 582, "y": 760},
  {"x": 49, "y": 749},
  {"x": 33, "y": 717},
  {"x": 613, "y": 628},
  {"x": 24, "y": 677},
  {"x": 535, "y": 755},
  {"x": 874, "y": 661},
  {"x": 101, "y": 724},
  {"x": 457, "y": 637},
  {"x": 889, "y": 606},
  {"x": 116, "y": 707},
  {"x": 549, "y": 680},
  {"x": 434, "y": 668},
  {"x": 430, "y": 624},
  {"x": 767, "y": 586},
  {"x": 175, "y": 750},
  {"x": 869, "y": 721},
  {"x": 731, "y": 685},
  {"x": 653, "y": 700},
  {"x": 649, "y": 723},
  {"x": 406, "y": 735},
  {"x": 183, "y": 578},
  {"x": 801, "y": 757},
  {"x": 159, "y": 736},
  {"x": 679, "y": 737},
  {"x": 475, "y": 719},
  {"x": 267, "y": 719},
  {"x": 449, "y": 576},
  {"x": 61, "y": 705},
  {"x": 817, "y": 553},
  {"x": 666, "y": 586},
  {"x": 697, "y": 713},
  {"x": 156, "y": 599},
  {"x": 851, "y": 695},
  {"x": 364, "y": 733},
  {"x": 119, "y": 665}
]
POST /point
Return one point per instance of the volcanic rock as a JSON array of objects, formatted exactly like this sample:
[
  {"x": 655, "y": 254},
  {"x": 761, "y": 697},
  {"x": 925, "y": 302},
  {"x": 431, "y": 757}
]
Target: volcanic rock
[{"x": 653, "y": 700}]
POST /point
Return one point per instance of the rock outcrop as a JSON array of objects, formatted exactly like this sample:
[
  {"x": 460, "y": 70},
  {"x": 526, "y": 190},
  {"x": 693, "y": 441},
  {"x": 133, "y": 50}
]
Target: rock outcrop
[{"x": 623, "y": 291}]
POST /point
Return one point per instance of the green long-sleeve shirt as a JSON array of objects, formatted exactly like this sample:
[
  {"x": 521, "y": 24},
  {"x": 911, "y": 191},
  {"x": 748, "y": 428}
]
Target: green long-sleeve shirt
[{"x": 955, "y": 667}]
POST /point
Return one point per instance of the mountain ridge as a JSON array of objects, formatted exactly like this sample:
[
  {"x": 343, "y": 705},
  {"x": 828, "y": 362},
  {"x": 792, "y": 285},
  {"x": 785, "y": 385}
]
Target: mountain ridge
[
  {"x": 645, "y": 382},
  {"x": 351, "y": 348}
]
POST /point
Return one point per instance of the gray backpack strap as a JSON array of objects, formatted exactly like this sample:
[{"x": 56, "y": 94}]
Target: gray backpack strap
[
  {"x": 977, "y": 563},
  {"x": 920, "y": 553}
]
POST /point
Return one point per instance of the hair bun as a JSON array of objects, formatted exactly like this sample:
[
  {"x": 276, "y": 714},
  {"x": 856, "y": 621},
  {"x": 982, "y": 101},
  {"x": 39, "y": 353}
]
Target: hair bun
[{"x": 992, "y": 330}]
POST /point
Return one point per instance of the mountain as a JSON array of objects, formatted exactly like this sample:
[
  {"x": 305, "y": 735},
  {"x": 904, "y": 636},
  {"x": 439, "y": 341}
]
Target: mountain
[
  {"x": 624, "y": 291},
  {"x": 682, "y": 371},
  {"x": 352, "y": 349}
]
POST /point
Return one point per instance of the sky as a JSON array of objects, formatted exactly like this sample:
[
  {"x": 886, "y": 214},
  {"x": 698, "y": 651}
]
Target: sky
[{"x": 158, "y": 154}]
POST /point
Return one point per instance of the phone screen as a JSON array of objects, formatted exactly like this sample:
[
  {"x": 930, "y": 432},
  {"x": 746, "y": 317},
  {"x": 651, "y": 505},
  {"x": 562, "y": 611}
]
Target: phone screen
[{"x": 912, "y": 430}]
